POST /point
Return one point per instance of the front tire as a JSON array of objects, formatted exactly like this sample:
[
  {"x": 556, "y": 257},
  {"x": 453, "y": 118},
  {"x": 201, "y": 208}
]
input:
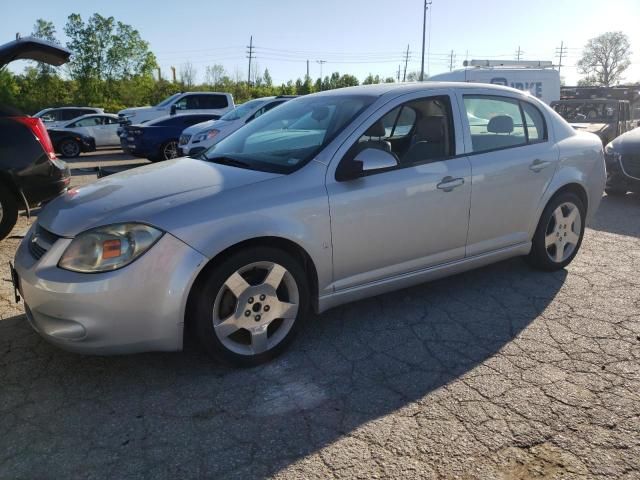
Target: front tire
[
  {"x": 559, "y": 234},
  {"x": 69, "y": 148},
  {"x": 8, "y": 211},
  {"x": 251, "y": 306}
]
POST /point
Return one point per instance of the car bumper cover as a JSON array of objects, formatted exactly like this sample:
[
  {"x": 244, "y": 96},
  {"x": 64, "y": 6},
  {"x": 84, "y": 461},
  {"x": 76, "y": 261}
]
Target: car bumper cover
[{"x": 138, "y": 308}]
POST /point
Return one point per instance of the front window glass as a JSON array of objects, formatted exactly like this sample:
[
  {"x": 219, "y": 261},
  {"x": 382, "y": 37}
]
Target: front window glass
[
  {"x": 241, "y": 110},
  {"x": 287, "y": 137},
  {"x": 168, "y": 100}
]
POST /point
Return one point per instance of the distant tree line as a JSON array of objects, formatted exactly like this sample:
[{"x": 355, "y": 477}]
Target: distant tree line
[{"x": 112, "y": 67}]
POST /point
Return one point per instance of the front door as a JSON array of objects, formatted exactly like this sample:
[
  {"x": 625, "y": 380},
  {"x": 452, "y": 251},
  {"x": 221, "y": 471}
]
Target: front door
[{"x": 408, "y": 217}]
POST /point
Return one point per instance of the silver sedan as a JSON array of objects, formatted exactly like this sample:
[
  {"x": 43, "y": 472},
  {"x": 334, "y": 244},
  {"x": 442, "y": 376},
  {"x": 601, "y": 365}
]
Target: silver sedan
[{"x": 327, "y": 199}]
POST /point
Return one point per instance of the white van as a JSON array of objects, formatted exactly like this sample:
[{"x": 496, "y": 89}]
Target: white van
[{"x": 537, "y": 77}]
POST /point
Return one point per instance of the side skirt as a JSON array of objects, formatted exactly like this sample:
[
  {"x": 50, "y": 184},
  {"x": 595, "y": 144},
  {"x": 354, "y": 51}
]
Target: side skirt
[{"x": 420, "y": 276}]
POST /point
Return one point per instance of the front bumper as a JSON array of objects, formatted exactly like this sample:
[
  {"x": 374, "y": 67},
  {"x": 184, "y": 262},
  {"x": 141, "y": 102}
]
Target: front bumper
[{"x": 138, "y": 308}]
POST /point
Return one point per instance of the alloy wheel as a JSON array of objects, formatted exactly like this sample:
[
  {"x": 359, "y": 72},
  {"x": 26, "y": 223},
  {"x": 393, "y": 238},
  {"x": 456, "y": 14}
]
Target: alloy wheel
[
  {"x": 563, "y": 232},
  {"x": 170, "y": 150},
  {"x": 256, "y": 308}
]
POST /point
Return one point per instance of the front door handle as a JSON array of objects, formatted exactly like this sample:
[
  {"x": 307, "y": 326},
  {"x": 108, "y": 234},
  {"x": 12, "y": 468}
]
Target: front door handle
[
  {"x": 449, "y": 183},
  {"x": 538, "y": 165}
]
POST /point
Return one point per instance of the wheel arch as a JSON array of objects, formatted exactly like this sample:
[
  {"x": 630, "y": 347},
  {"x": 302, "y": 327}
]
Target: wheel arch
[
  {"x": 279, "y": 243},
  {"x": 571, "y": 187}
]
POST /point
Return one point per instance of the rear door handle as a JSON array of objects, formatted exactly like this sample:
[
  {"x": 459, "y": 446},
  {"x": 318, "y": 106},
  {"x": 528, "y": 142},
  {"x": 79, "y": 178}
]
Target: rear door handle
[
  {"x": 538, "y": 165},
  {"x": 449, "y": 183}
]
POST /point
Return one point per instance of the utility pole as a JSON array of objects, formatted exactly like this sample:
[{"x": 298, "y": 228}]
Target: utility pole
[
  {"x": 321, "y": 62},
  {"x": 519, "y": 53},
  {"x": 159, "y": 74},
  {"x": 307, "y": 69},
  {"x": 250, "y": 57},
  {"x": 560, "y": 53},
  {"x": 424, "y": 32},
  {"x": 406, "y": 61},
  {"x": 451, "y": 61},
  {"x": 173, "y": 74},
  {"x": 398, "y": 73}
]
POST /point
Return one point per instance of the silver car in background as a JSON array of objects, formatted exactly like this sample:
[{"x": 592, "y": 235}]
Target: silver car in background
[
  {"x": 197, "y": 138},
  {"x": 327, "y": 199}
]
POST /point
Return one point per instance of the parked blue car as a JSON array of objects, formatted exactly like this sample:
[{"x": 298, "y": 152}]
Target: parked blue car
[{"x": 158, "y": 139}]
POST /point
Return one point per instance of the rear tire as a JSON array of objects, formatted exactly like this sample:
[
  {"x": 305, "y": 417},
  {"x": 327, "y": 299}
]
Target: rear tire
[
  {"x": 251, "y": 306},
  {"x": 8, "y": 211},
  {"x": 69, "y": 148},
  {"x": 559, "y": 234}
]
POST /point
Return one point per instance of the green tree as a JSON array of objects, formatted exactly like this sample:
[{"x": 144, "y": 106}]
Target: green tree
[
  {"x": 105, "y": 51},
  {"x": 605, "y": 59},
  {"x": 45, "y": 30},
  {"x": 268, "y": 81},
  {"x": 214, "y": 75}
]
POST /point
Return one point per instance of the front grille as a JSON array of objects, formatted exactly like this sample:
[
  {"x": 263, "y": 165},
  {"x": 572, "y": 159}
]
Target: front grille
[
  {"x": 184, "y": 139},
  {"x": 41, "y": 241},
  {"x": 631, "y": 165}
]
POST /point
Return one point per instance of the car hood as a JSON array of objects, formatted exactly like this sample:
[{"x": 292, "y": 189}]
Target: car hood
[
  {"x": 590, "y": 127},
  {"x": 627, "y": 142},
  {"x": 199, "y": 127},
  {"x": 154, "y": 194}
]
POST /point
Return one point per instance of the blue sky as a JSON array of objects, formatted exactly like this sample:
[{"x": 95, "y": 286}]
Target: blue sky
[{"x": 355, "y": 37}]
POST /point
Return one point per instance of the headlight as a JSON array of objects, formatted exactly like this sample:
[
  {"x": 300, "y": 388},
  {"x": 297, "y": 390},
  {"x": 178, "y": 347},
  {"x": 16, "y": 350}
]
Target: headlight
[
  {"x": 207, "y": 135},
  {"x": 108, "y": 248}
]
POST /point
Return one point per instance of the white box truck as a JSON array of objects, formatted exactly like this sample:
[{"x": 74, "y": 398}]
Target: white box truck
[{"x": 537, "y": 77}]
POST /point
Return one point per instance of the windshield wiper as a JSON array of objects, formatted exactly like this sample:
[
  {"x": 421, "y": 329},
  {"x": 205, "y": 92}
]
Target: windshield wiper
[{"x": 234, "y": 162}]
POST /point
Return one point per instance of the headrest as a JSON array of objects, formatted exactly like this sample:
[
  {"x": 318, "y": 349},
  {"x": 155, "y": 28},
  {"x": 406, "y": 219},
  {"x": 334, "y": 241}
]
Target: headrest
[
  {"x": 430, "y": 129},
  {"x": 500, "y": 124},
  {"x": 376, "y": 130}
]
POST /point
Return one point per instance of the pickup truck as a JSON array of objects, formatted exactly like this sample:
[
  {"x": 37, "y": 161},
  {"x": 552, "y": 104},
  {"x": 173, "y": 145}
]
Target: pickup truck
[
  {"x": 215, "y": 103},
  {"x": 607, "y": 118}
]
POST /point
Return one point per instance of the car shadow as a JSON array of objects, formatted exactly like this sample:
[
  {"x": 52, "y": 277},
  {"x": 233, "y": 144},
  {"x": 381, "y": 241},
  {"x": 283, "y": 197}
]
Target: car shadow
[
  {"x": 619, "y": 215},
  {"x": 181, "y": 415}
]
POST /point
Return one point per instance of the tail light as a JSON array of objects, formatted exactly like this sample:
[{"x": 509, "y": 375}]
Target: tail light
[{"x": 38, "y": 129}]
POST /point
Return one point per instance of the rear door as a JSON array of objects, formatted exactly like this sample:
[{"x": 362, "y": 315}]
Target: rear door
[
  {"x": 513, "y": 162},
  {"x": 109, "y": 131}
]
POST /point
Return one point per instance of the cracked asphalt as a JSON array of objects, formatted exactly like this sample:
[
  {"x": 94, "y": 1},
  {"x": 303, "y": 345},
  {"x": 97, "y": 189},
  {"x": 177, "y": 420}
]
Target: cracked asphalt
[{"x": 499, "y": 373}]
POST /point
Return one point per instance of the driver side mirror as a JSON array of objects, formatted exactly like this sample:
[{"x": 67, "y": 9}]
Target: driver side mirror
[
  {"x": 367, "y": 161},
  {"x": 172, "y": 111}
]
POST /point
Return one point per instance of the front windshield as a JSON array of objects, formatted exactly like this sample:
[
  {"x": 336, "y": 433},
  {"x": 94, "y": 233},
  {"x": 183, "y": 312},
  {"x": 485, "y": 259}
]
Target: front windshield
[
  {"x": 168, "y": 100},
  {"x": 287, "y": 137},
  {"x": 591, "y": 112},
  {"x": 241, "y": 110}
]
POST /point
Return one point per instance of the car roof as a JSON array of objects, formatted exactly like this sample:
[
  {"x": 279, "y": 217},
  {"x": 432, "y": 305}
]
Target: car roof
[
  {"x": 167, "y": 117},
  {"x": 89, "y": 115},
  {"x": 396, "y": 89}
]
